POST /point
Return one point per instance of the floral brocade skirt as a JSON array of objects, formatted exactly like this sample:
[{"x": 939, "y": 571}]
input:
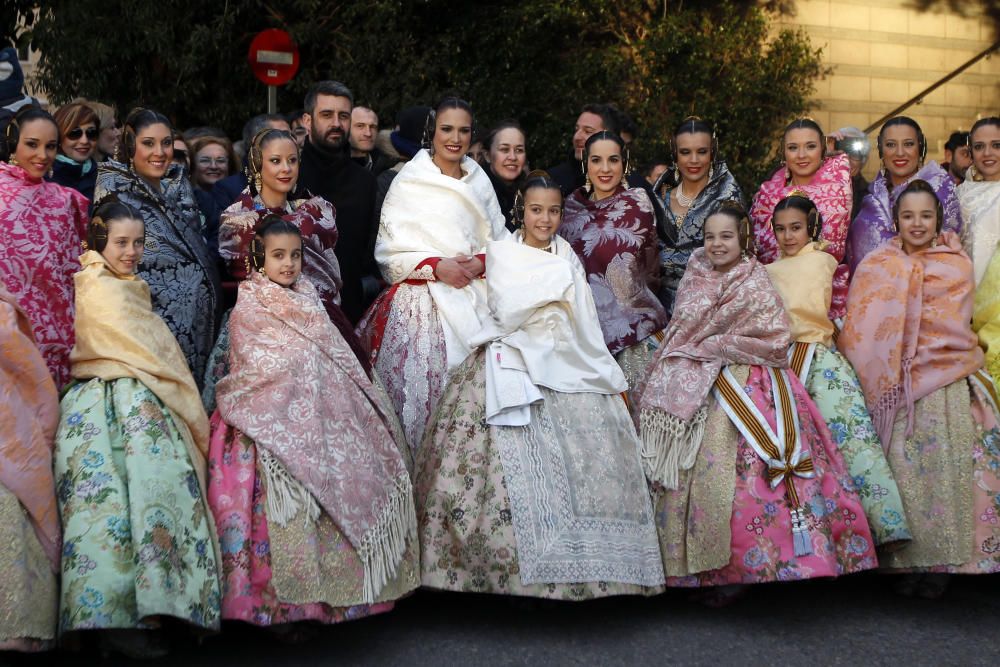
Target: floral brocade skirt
[
  {"x": 634, "y": 361},
  {"x": 467, "y": 532},
  {"x": 948, "y": 472},
  {"x": 834, "y": 387},
  {"x": 29, "y": 594},
  {"x": 724, "y": 524},
  {"x": 137, "y": 538},
  {"x": 304, "y": 570}
]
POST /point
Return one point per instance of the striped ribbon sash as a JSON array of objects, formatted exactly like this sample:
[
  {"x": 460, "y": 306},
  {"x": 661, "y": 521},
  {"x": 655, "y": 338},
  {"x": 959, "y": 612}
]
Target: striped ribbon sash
[
  {"x": 784, "y": 456},
  {"x": 800, "y": 358},
  {"x": 985, "y": 383}
]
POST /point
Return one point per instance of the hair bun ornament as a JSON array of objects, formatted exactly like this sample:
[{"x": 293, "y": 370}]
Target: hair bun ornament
[{"x": 798, "y": 193}]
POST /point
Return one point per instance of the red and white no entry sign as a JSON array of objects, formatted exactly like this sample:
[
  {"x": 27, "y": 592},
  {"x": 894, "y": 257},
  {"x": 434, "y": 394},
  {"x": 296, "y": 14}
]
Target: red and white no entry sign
[{"x": 273, "y": 57}]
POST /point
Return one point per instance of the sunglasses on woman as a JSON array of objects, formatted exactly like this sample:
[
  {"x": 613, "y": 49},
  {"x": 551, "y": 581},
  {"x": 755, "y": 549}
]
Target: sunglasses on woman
[{"x": 77, "y": 132}]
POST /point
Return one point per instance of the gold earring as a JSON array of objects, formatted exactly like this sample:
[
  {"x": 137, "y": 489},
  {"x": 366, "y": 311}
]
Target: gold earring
[
  {"x": 587, "y": 184},
  {"x": 261, "y": 271},
  {"x": 257, "y": 182},
  {"x": 12, "y": 161}
]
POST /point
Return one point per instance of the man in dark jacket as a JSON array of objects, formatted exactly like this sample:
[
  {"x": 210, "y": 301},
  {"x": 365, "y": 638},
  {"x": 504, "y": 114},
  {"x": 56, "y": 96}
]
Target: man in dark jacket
[
  {"x": 328, "y": 171},
  {"x": 592, "y": 119}
]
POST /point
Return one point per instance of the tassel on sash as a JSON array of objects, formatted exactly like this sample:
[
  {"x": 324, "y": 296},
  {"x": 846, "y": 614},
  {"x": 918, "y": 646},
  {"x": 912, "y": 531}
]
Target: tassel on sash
[{"x": 783, "y": 456}]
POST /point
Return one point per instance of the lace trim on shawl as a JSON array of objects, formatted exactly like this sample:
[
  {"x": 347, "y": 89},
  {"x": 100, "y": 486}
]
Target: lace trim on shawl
[{"x": 670, "y": 444}]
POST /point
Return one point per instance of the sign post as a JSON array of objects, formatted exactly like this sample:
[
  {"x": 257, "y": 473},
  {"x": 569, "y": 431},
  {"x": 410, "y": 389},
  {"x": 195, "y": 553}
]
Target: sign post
[{"x": 274, "y": 59}]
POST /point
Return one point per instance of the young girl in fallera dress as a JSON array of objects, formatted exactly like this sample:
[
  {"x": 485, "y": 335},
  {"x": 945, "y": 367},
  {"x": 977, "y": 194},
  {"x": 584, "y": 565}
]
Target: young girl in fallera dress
[
  {"x": 528, "y": 479},
  {"x": 138, "y": 541},
  {"x": 748, "y": 486},
  {"x": 803, "y": 276},
  {"x": 307, "y": 479}
]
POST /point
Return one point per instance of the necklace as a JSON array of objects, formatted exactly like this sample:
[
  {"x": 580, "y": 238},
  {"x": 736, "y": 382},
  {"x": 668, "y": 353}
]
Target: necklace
[{"x": 682, "y": 198}]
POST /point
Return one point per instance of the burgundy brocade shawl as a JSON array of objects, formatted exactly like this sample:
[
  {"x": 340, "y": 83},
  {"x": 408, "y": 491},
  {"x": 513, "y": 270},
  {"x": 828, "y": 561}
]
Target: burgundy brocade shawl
[{"x": 615, "y": 239}]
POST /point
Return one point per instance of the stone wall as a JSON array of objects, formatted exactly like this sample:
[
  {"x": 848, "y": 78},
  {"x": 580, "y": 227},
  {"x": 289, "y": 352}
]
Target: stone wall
[{"x": 883, "y": 52}]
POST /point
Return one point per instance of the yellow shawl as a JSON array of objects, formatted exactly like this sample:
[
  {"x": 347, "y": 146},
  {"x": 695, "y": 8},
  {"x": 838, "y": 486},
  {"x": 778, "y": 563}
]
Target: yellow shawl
[
  {"x": 119, "y": 336},
  {"x": 986, "y": 316},
  {"x": 805, "y": 283}
]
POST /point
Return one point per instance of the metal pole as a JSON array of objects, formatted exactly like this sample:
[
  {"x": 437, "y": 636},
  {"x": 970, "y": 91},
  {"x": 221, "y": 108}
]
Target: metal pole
[
  {"x": 919, "y": 97},
  {"x": 272, "y": 99}
]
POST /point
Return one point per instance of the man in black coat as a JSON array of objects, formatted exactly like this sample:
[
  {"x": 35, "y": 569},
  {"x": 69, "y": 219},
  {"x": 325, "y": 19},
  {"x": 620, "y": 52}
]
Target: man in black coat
[
  {"x": 592, "y": 119},
  {"x": 328, "y": 171}
]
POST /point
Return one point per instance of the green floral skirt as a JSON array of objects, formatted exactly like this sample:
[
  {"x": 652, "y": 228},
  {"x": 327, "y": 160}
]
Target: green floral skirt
[{"x": 137, "y": 540}]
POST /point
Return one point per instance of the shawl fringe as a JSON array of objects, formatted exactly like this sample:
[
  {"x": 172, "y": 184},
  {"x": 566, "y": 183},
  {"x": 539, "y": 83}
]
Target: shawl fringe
[
  {"x": 670, "y": 444},
  {"x": 383, "y": 546},
  {"x": 285, "y": 495}
]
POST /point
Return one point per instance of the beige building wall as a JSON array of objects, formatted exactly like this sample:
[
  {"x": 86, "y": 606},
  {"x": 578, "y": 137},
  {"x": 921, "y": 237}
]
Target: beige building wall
[{"x": 883, "y": 52}]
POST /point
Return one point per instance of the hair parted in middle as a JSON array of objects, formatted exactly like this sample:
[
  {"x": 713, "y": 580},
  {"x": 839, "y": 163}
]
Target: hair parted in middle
[
  {"x": 915, "y": 186},
  {"x": 606, "y": 135},
  {"x": 106, "y": 210},
  {"x": 734, "y": 210},
  {"x": 255, "y": 154},
  {"x": 800, "y": 201},
  {"x": 536, "y": 179},
  {"x": 271, "y": 224}
]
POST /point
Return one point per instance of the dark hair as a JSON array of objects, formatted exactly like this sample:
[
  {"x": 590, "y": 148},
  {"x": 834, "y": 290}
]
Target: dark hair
[
  {"x": 139, "y": 119},
  {"x": 449, "y": 101},
  {"x": 258, "y": 123},
  {"x": 106, "y": 211},
  {"x": 625, "y": 121},
  {"x": 694, "y": 125},
  {"x": 956, "y": 139},
  {"x": 647, "y": 169},
  {"x": 255, "y": 152},
  {"x": 290, "y": 117},
  {"x": 734, "y": 210},
  {"x": 908, "y": 122},
  {"x": 537, "y": 179},
  {"x": 509, "y": 124},
  {"x": 915, "y": 186},
  {"x": 12, "y": 133},
  {"x": 802, "y": 203},
  {"x": 334, "y": 88},
  {"x": 272, "y": 224},
  {"x": 982, "y": 122},
  {"x": 609, "y": 116},
  {"x": 804, "y": 124},
  {"x": 606, "y": 135}
]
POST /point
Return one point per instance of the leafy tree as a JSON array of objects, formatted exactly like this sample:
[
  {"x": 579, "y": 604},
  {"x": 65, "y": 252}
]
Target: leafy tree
[{"x": 536, "y": 60}]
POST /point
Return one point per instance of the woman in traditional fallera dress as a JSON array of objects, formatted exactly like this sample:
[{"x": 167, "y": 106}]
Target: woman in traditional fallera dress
[
  {"x": 907, "y": 334},
  {"x": 827, "y": 182},
  {"x": 440, "y": 212},
  {"x": 612, "y": 228},
  {"x": 980, "y": 198},
  {"x": 699, "y": 180},
  {"x": 528, "y": 479},
  {"x": 902, "y": 148},
  {"x": 803, "y": 277},
  {"x": 178, "y": 268},
  {"x": 139, "y": 546},
  {"x": 748, "y": 486},
  {"x": 29, "y": 521},
  {"x": 979, "y": 195},
  {"x": 41, "y": 227},
  {"x": 308, "y": 482}
]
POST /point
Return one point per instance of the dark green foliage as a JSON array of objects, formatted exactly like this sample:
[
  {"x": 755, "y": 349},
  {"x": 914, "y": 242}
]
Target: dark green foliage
[{"x": 536, "y": 60}]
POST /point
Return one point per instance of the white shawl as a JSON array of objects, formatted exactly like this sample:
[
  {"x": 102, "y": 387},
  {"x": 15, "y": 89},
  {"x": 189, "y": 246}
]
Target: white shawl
[
  {"x": 427, "y": 214},
  {"x": 543, "y": 330},
  {"x": 980, "y": 202}
]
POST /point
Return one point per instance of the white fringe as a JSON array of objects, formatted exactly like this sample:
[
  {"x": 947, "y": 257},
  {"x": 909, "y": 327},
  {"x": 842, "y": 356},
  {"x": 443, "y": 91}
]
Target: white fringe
[
  {"x": 383, "y": 546},
  {"x": 670, "y": 444},
  {"x": 285, "y": 495}
]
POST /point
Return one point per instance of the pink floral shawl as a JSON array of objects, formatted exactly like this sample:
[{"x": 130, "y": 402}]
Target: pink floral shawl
[
  {"x": 736, "y": 317},
  {"x": 41, "y": 227},
  {"x": 297, "y": 391},
  {"x": 908, "y": 330},
  {"x": 29, "y": 417},
  {"x": 830, "y": 190}
]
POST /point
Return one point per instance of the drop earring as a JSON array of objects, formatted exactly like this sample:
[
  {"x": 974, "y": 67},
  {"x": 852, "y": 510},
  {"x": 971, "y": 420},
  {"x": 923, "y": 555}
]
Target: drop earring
[{"x": 257, "y": 181}]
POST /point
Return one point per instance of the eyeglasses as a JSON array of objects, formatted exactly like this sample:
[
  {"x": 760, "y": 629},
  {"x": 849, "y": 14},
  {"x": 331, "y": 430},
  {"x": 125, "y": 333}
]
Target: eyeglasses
[
  {"x": 208, "y": 161},
  {"x": 77, "y": 132}
]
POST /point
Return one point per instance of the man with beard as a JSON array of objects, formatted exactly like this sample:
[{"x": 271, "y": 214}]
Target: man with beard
[{"x": 328, "y": 171}]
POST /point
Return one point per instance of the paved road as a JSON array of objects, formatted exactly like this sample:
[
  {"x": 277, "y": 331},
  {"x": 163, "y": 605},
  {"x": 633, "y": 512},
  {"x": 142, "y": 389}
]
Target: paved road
[{"x": 857, "y": 622}]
